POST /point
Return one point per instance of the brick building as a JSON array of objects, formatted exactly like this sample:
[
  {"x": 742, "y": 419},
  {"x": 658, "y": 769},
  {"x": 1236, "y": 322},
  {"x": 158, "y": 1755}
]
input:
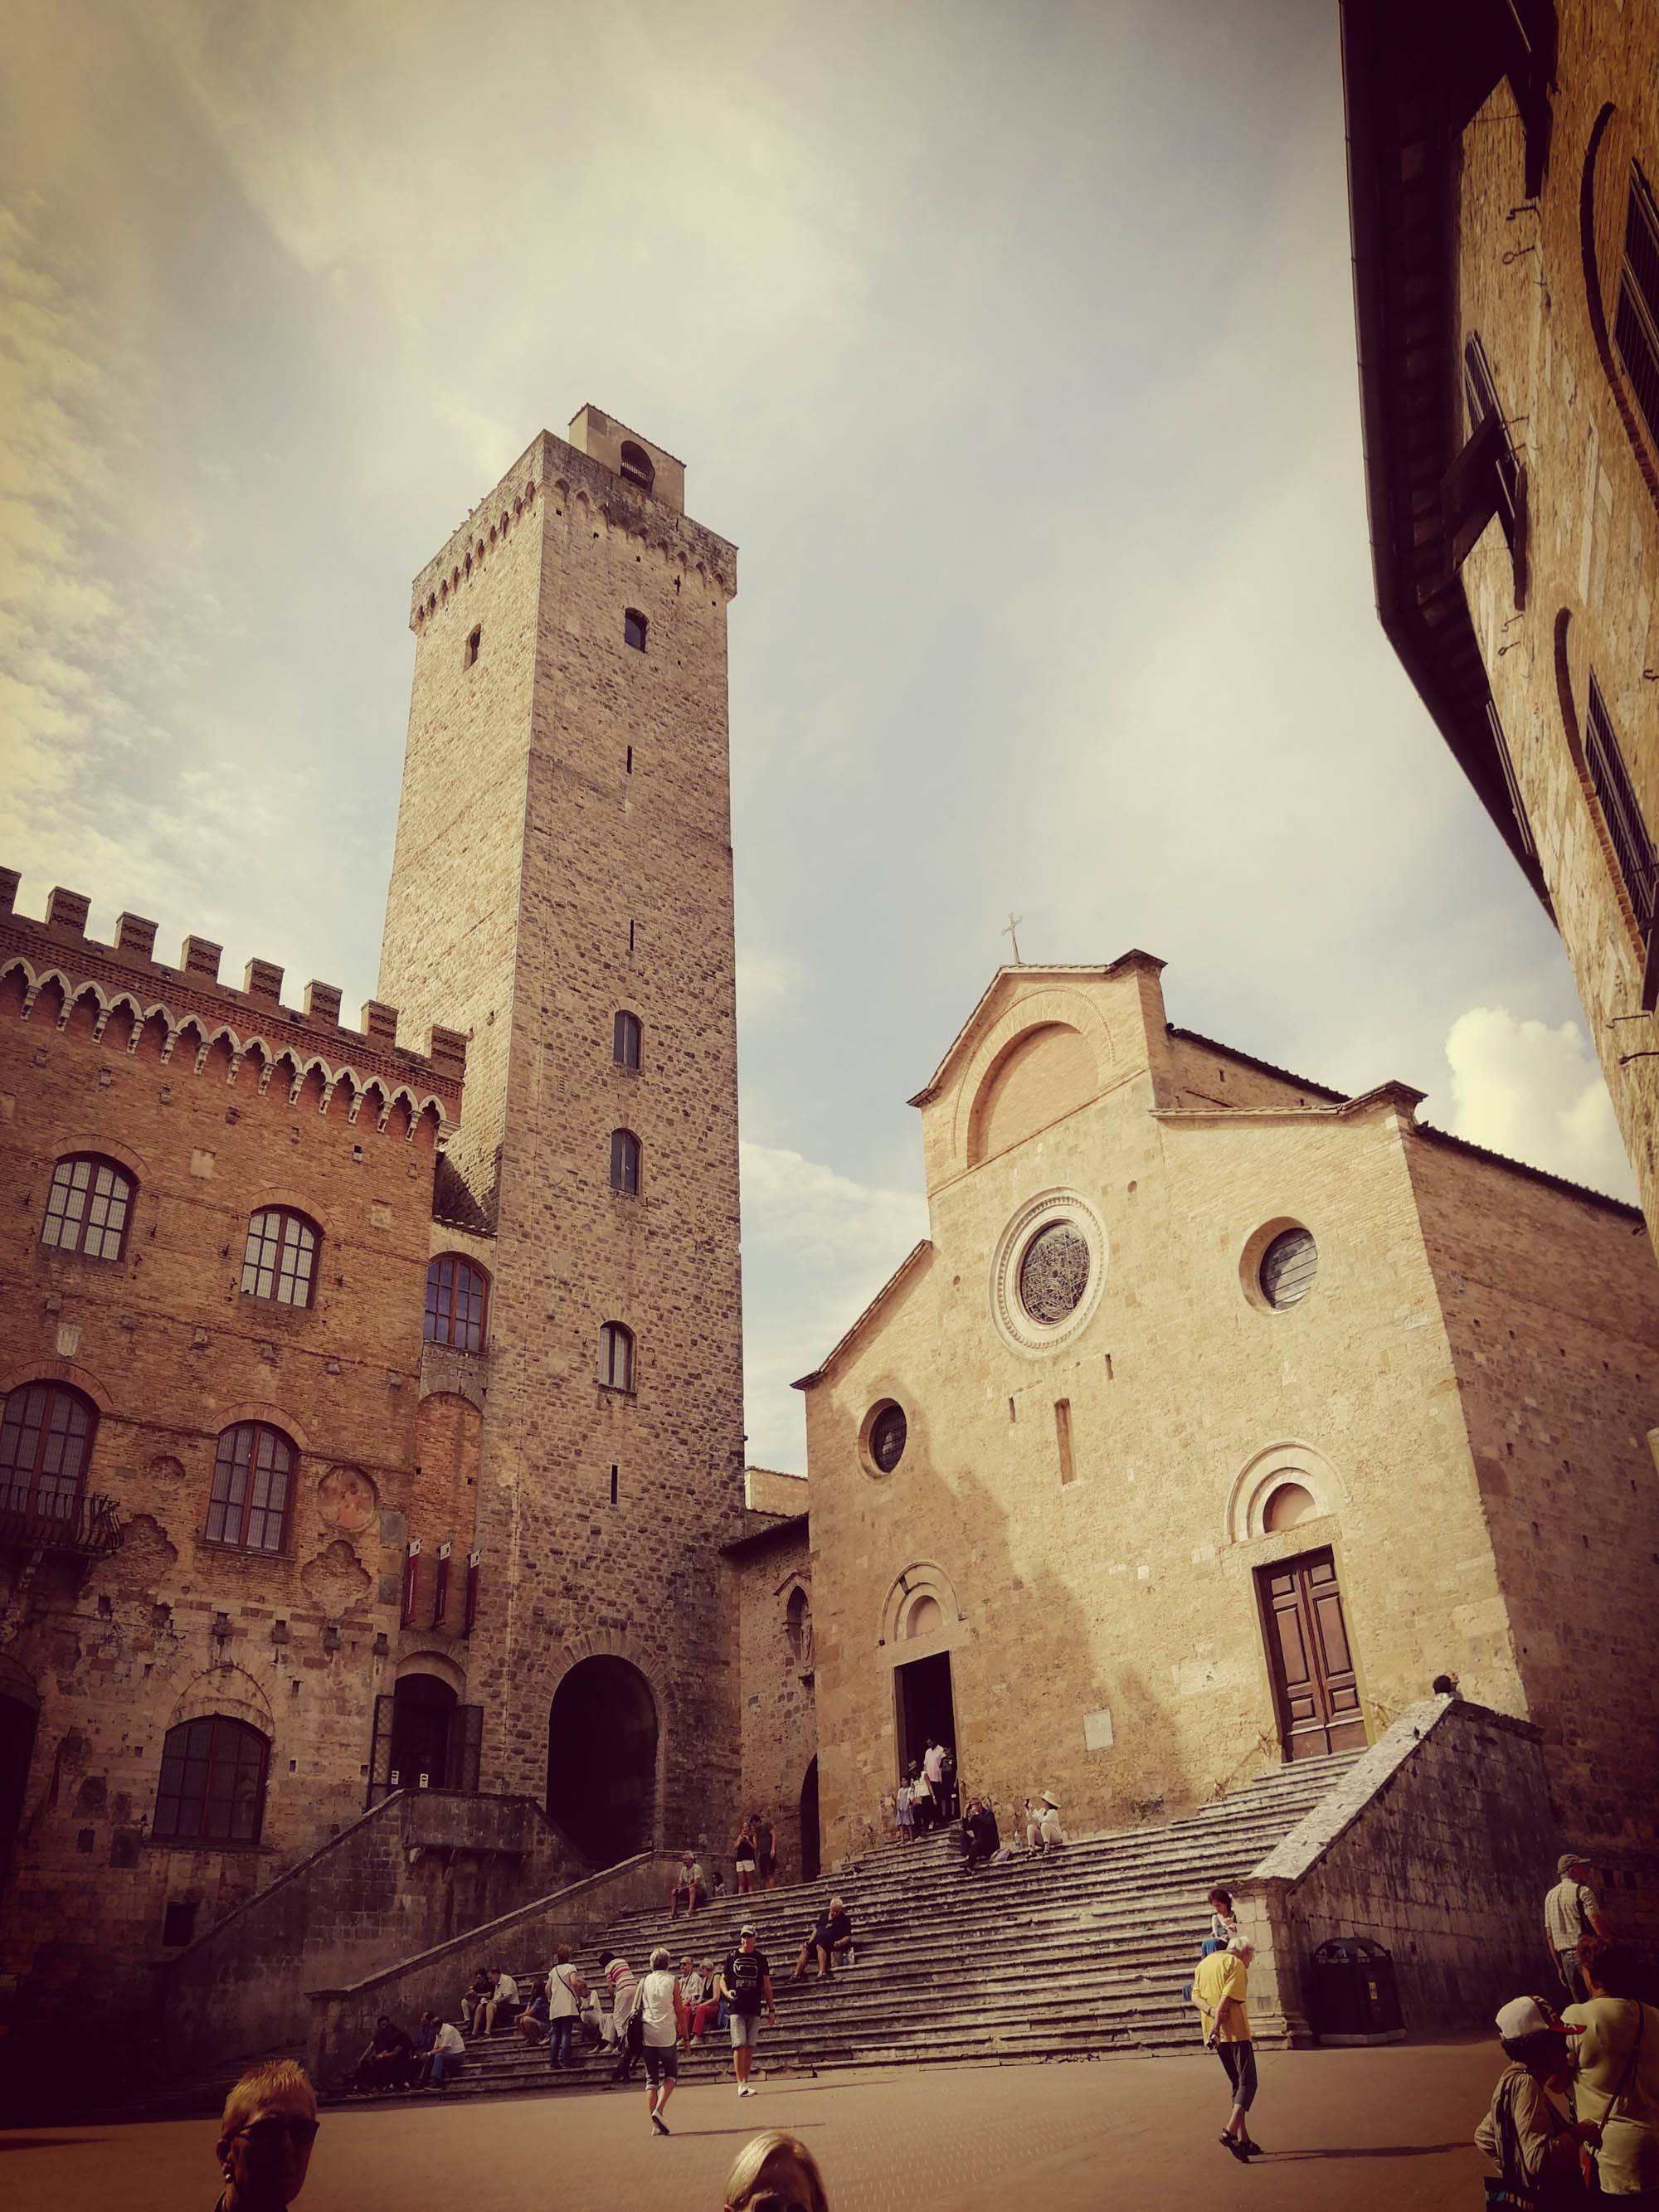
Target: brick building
[
  {"x": 352, "y": 1442},
  {"x": 1503, "y": 164},
  {"x": 1217, "y": 1414}
]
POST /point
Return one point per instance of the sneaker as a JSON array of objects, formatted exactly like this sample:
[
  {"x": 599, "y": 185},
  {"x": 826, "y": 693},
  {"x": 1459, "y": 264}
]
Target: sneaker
[
  {"x": 659, "y": 2124},
  {"x": 745, "y": 2091}
]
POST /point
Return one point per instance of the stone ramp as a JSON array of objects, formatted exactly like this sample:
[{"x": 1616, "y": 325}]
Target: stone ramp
[{"x": 1075, "y": 1955}]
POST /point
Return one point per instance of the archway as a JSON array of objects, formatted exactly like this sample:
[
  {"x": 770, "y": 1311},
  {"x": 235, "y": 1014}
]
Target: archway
[
  {"x": 602, "y": 1759},
  {"x": 423, "y": 1714},
  {"x": 809, "y": 1825}
]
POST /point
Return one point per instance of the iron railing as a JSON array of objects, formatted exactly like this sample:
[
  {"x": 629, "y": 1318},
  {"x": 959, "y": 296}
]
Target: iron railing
[{"x": 87, "y": 1525}]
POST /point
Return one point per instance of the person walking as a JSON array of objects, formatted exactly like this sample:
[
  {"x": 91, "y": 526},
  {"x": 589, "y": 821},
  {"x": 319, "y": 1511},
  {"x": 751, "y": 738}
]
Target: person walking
[
  {"x": 622, "y": 1982},
  {"x": 565, "y": 1993},
  {"x": 933, "y": 1765},
  {"x": 664, "y": 2027},
  {"x": 746, "y": 1985},
  {"x": 1220, "y": 1987},
  {"x": 1615, "y": 2070},
  {"x": 1571, "y": 1911}
]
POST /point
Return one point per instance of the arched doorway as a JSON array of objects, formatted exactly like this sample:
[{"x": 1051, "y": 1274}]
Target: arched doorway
[
  {"x": 602, "y": 1759},
  {"x": 422, "y": 1716},
  {"x": 809, "y": 1825}
]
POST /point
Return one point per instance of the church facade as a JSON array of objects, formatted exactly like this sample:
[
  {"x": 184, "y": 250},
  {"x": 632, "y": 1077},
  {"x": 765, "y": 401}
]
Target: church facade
[{"x": 1217, "y": 1414}]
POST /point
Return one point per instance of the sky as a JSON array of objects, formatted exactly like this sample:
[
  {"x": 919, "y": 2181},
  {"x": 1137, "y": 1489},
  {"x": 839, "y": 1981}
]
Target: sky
[{"x": 1014, "y": 348}]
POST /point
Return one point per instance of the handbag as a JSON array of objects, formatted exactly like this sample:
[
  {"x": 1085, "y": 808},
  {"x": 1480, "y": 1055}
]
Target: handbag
[
  {"x": 1592, "y": 2169},
  {"x": 1554, "y": 2193}
]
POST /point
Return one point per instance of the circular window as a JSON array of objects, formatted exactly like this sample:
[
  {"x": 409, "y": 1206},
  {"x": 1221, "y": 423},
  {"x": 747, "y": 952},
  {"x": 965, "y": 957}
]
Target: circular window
[
  {"x": 1288, "y": 1267},
  {"x": 1054, "y": 1273},
  {"x": 888, "y": 1432}
]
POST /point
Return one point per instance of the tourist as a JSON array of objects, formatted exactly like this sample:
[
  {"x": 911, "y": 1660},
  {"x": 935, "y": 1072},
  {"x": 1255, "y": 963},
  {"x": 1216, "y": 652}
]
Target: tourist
[
  {"x": 746, "y": 1985},
  {"x": 386, "y": 2063},
  {"x": 478, "y": 1997},
  {"x": 1223, "y": 1923},
  {"x": 621, "y": 1981},
  {"x": 904, "y": 1817},
  {"x": 744, "y": 1858},
  {"x": 425, "y": 2036},
  {"x": 533, "y": 2022},
  {"x": 947, "y": 1776},
  {"x": 664, "y": 2027},
  {"x": 766, "y": 1849},
  {"x": 265, "y": 2135},
  {"x": 1043, "y": 1833},
  {"x": 933, "y": 1767},
  {"x": 688, "y": 1888},
  {"x": 1615, "y": 2070},
  {"x": 1220, "y": 1987},
  {"x": 831, "y": 1937},
  {"x": 922, "y": 1806},
  {"x": 502, "y": 2004},
  {"x": 693, "y": 1989},
  {"x": 778, "y": 2171},
  {"x": 448, "y": 2056},
  {"x": 567, "y": 1993},
  {"x": 1534, "y": 2148},
  {"x": 981, "y": 1834},
  {"x": 1571, "y": 1911}
]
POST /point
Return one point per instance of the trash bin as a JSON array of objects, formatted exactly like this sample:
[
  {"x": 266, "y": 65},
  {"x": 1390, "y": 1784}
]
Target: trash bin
[{"x": 1352, "y": 1998}]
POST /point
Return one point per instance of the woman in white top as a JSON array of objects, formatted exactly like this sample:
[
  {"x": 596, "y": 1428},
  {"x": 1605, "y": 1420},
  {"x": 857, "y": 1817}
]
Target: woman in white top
[
  {"x": 565, "y": 1991},
  {"x": 662, "y": 2013},
  {"x": 1615, "y": 2065}
]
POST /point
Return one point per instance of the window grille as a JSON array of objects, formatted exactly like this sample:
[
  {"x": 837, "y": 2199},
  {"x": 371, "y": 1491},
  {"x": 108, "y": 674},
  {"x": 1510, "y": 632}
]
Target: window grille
[
  {"x": 213, "y": 1782},
  {"x": 1636, "y": 321},
  {"x": 46, "y": 1442},
  {"x": 889, "y": 1434},
  {"x": 1288, "y": 1267},
  {"x": 1616, "y": 795},
  {"x": 280, "y": 1259},
  {"x": 457, "y": 1294},
  {"x": 88, "y": 1206},
  {"x": 617, "y": 1356},
  {"x": 625, "y": 1162},
  {"x": 247, "y": 1506}
]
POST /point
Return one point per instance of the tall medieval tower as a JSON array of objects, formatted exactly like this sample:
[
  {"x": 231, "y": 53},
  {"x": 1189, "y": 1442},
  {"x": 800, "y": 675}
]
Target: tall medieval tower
[{"x": 561, "y": 889}]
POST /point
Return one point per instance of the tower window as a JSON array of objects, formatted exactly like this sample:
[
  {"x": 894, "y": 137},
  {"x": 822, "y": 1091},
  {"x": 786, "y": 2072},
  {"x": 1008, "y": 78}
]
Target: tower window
[
  {"x": 636, "y": 464},
  {"x": 625, "y": 1040},
  {"x": 280, "y": 1259},
  {"x": 616, "y": 1357},
  {"x": 1621, "y": 809},
  {"x": 473, "y": 639},
  {"x": 455, "y": 1297},
  {"x": 1635, "y": 323},
  {"x": 625, "y": 1162},
  {"x": 87, "y": 1208},
  {"x": 613, "y": 1486},
  {"x": 634, "y": 629}
]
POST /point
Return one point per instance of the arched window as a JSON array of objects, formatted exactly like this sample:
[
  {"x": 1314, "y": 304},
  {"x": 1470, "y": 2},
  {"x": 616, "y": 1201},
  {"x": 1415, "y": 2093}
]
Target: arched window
[
  {"x": 252, "y": 1481},
  {"x": 45, "y": 1441},
  {"x": 625, "y": 1040},
  {"x": 635, "y": 626},
  {"x": 636, "y": 464},
  {"x": 213, "y": 1782},
  {"x": 280, "y": 1260},
  {"x": 617, "y": 1356},
  {"x": 456, "y": 1294},
  {"x": 87, "y": 1205},
  {"x": 625, "y": 1162}
]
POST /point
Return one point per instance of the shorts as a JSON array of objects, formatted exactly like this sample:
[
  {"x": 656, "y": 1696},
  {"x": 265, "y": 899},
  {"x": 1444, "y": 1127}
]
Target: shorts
[
  {"x": 744, "y": 1866},
  {"x": 661, "y": 2058},
  {"x": 745, "y": 2028},
  {"x": 1239, "y": 2059}
]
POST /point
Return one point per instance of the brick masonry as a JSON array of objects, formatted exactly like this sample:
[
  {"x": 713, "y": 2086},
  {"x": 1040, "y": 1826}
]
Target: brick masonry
[{"x": 771, "y": 1571}]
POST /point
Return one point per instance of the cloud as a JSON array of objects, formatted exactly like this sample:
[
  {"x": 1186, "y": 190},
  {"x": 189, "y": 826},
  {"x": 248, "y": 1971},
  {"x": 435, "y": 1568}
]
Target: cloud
[
  {"x": 1535, "y": 1094},
  {"x": 817, "y": 1247}
]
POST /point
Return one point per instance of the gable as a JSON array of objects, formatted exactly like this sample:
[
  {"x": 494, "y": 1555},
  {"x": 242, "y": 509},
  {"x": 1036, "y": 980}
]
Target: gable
[{"x": 1044, "y": 1074}]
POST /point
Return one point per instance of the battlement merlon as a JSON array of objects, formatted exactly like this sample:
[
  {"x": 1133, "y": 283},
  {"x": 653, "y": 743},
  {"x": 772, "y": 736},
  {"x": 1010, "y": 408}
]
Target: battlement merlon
[
  {"x": 58, "y": 946},
  {"x": 587, "y": 466}
]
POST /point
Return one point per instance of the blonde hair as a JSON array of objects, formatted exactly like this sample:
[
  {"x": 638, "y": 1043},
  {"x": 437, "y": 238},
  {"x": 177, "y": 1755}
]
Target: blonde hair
[
  {"x": 749, "y": 2169},
  {"x": 260, "y": 2085},
  {"x": 660, "y": 1960}
]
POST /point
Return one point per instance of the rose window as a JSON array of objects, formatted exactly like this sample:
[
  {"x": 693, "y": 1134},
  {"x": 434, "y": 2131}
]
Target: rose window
[{"x": 1054, "y": 1273}]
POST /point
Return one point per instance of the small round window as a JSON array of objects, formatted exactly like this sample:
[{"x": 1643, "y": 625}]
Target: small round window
[
  {"x": 1054, "y": 1273},
  {"x": 888, "y": 1433},
  {"x": 1288, "y": 1267}
]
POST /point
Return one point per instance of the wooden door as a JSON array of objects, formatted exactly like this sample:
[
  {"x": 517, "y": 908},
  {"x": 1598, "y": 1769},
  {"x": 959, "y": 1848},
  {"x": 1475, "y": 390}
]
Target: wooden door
[{"x": 1312, "y": 1666}]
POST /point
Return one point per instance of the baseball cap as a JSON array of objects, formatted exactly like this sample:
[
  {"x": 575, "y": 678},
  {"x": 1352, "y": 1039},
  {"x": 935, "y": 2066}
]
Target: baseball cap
[
  {"x": 1569, "y": 1860},
  {"x": 747, "y": 1928},
  {"x": 1523, "y": 2016}
]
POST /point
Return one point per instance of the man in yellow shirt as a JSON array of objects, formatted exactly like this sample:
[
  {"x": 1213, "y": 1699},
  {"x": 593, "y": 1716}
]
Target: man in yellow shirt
[{"x": 1219, "y": 1987}]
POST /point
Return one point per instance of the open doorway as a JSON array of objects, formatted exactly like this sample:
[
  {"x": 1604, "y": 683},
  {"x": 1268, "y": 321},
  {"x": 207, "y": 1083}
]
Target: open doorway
[
  {"x": 924, "y": 1708},
  {"x": 602, "y": 1759},
  {"x": 809, "y": 1847}
]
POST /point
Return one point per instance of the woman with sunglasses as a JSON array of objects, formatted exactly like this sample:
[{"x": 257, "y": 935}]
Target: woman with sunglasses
[
  {"x": 265, "y": 2135},
  {"x": 775, "y": 2173}
]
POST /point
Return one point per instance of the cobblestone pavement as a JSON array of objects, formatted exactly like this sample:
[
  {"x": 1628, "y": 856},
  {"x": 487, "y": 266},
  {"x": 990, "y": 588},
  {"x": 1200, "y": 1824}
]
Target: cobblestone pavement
[{"x": 1388, "y": 2128}]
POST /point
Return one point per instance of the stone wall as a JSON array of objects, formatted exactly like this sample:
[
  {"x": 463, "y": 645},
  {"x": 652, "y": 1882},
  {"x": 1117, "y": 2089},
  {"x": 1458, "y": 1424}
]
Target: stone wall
[
  {"x": 1439, "y": 1844},
  {"x": 216, "y": 1101},
  {"x": 422, "y": 1868},
  {"x": 772, "y": 1573}
]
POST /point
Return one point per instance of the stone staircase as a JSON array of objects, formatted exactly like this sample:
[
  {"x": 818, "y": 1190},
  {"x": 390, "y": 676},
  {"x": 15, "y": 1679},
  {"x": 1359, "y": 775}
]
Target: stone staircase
[{"x": 1069, "y": 1956}]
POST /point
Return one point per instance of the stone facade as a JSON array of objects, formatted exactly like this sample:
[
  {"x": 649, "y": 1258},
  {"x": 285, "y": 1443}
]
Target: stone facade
[
  {"x": 771, "y": 1568},
  {"x": 1493, "y": 181},
  {"x": 215, "y": 1102},
  {"x": 1095, "y": 1498},
  {"x": 563, "y": 856}
]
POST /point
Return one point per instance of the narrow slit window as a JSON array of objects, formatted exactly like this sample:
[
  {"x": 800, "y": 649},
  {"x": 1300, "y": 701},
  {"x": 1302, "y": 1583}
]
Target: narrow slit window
[
  {"x": 613, "y": 1486},
  {"x": 475, "y": 638},
  {"x": 1063, "y": 1437},
  {"x": 625, "y": 1162},
  {"x": 625, "y": 1037}
]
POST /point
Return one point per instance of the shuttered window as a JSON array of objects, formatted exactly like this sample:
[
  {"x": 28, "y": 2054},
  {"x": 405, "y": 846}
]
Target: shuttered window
[{"x": 1636, "y": 322}]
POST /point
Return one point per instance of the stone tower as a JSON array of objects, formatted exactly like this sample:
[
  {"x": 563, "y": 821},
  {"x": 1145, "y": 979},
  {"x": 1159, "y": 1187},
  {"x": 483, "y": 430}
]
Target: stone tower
[{"x": 562, "y": 890}]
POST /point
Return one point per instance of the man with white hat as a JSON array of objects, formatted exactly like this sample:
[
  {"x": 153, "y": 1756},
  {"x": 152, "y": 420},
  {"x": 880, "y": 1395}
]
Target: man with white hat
[{"x": 1571, "y": 1911}]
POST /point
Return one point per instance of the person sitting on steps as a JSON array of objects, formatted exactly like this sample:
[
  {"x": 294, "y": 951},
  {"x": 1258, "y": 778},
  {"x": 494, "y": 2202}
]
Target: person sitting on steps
[{"x": 831, "y": 1937}]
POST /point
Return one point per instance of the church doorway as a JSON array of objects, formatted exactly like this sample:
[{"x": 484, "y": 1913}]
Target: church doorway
[
  {"x": 602, "y": 1759},
  {"x": 810, "y": 1848},
  {"x": 925, "y": 1710},
  {"x": 422, "y": 1712},
  {"x": 1315, "y": 1689}
]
